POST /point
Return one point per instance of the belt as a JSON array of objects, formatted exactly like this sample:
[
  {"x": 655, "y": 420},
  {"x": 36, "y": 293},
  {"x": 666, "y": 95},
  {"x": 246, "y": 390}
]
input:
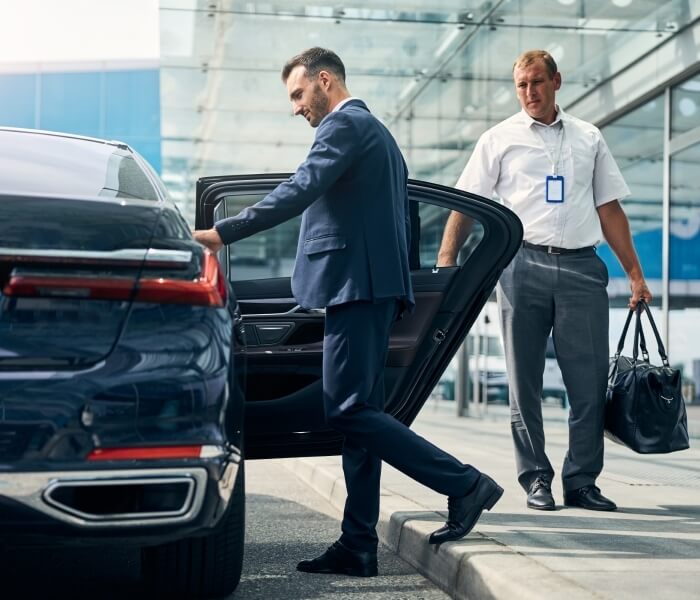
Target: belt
[{"x": 557, "y": 250}]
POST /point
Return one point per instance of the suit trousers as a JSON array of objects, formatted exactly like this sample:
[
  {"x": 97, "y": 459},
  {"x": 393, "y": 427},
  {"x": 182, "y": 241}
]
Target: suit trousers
[
  {"x": 355, "y": 347},
  {"x": 566, "y": 295}
]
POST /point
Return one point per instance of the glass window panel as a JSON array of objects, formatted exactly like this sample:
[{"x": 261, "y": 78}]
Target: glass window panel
[
  {"x": 636, "y": 142},
  {"x": 684, "y": 316},
  {"x": 432, "y": 221},
  {"x": 685, "y": 227},
  {"x": 685, "y": 106},
  {"x": 18, "y": 106},
  {"x": 132, "y": 104},
  {"x": 264, "y": 255},
  {"x": 221, "y": 69},
  {"x": 71, "y": 102},
  {"x": 494, "y": 347},
  {"x": 271, "y": 253},
  {"x": 683, "y": 352}
]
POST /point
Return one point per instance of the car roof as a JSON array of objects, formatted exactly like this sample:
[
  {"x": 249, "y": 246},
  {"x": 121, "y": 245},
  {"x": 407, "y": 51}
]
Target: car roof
[{"x": 73, "y": 136}]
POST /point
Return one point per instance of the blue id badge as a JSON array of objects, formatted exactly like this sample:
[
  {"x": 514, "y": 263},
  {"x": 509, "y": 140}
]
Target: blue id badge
[{"x": 554, "y": 188}]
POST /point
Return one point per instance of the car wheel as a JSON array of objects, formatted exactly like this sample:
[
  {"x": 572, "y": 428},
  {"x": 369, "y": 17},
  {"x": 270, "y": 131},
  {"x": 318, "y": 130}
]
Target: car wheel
[{"x": 203, "y": 566}]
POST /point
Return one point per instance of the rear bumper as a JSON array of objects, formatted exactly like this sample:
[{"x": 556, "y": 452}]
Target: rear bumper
[{"x": 50, "y": 507}]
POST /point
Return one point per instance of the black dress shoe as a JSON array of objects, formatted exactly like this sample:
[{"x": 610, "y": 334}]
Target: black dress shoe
[
  {"x": 464, "y": 511},
  {"x": 539, "y": 496},
  {"x": 340, "y": 560},
  {"x": 589, "y": 497}
]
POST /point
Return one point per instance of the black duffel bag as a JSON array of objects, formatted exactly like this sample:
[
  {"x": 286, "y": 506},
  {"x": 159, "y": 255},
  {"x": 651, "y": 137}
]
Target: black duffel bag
[{"x": 644, "y": 407}]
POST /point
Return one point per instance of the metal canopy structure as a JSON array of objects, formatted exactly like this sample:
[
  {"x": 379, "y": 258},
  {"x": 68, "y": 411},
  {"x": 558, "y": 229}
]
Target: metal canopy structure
[{"x": 437, "y": 72}]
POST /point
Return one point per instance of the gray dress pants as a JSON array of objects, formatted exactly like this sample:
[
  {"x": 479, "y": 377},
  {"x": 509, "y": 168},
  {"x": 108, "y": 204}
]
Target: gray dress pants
[{"x": 564, "y": 294}]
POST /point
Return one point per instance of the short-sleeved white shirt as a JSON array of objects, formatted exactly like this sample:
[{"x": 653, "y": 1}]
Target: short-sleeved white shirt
[{"x": 510, "y": 159}]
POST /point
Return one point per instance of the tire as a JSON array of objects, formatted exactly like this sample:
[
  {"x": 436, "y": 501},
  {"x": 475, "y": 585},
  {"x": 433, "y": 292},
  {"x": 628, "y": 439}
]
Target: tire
[{"x": 206, "y": 566}]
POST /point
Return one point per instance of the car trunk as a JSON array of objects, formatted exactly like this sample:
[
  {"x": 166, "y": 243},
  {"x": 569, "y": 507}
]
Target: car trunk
[{"x": 68, "y": 271}]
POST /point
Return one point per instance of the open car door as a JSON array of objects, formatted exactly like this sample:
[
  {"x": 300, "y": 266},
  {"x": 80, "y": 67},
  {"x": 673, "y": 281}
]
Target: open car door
[{"x": 284, "y": 343}]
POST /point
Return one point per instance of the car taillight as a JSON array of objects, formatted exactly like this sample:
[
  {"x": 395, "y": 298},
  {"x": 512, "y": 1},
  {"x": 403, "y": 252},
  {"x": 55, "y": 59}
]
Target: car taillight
[
  {"x": 26, "y": 285},
  {"x": 209, "y": 289},
  {"x": 87, "y": 279}
]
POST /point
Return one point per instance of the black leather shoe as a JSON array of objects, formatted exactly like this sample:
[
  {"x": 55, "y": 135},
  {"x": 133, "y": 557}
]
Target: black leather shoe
[
  {"x": 539, "y": 496},
  {"x": 589, "y": 497},
  {"x": 464, "y": 511},
  {"x": 340, "y": 560}
]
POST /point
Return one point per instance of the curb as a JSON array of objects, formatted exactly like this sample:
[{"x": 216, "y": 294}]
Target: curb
[{"x": 475, "y": 568}]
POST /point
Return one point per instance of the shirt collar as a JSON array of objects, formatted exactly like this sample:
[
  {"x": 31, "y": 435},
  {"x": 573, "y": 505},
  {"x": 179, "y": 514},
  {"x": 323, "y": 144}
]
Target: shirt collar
[
  {"x": 343, "y": 102},
  {"x": 529, "y": 121}
]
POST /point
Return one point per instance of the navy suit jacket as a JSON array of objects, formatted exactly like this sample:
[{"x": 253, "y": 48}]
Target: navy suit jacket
[{"x": 355, "y": 229}]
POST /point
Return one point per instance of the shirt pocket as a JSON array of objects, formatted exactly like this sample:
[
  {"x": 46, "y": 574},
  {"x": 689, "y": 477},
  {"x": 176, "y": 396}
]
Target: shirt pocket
[{"x": 323, "y": 243}]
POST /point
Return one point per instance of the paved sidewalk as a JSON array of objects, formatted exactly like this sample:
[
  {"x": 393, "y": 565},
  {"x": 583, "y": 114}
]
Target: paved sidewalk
[{"x": 649, "y": 548}]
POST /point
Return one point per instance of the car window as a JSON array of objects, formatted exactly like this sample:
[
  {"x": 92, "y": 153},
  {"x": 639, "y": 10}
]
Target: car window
[
  {"x": 131, "y": 181},
  {"x": 271, "y": 253},
  {"x": 494, "y": 346},
  {"x": 489, "y": 345}
]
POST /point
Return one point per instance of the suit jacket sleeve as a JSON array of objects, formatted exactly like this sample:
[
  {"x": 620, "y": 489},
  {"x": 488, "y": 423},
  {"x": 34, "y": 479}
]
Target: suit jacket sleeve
[{"x": 332, "y": 152}]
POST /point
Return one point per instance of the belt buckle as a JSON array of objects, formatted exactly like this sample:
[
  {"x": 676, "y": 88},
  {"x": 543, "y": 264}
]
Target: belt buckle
[{"x": 553, "y": 250}]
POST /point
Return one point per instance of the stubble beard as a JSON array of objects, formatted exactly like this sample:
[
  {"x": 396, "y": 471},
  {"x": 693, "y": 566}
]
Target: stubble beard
[{"x": 319, "y": 106}]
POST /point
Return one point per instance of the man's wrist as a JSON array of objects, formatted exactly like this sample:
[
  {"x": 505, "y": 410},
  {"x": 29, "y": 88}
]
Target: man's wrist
[
  {"x": 447, "y": 259},
  {"x": 225, "y": 233},
  {"x": 636, "y": 275}
]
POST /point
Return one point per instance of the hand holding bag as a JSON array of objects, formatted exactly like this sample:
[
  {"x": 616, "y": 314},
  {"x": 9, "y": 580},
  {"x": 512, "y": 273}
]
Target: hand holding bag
[{"x": 645, "y": 410}]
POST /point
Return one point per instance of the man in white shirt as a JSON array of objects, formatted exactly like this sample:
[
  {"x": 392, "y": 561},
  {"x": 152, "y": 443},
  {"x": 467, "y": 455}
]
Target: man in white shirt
[{"x": 557, "y": 174}]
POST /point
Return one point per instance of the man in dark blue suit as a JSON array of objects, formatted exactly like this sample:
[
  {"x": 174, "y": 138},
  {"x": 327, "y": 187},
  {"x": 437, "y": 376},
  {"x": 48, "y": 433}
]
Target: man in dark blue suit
[{"x": 352, "y": 260}]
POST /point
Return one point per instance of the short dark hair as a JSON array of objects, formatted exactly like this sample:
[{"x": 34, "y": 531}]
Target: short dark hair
[
  {"x": 529, "y": 57},
  {"x": 316, "y": 60}
]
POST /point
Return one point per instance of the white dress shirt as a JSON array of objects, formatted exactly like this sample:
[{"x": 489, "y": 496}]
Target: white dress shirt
[
  {"x": 344, "y": 101},
  {"x": 514, "y": 158}
]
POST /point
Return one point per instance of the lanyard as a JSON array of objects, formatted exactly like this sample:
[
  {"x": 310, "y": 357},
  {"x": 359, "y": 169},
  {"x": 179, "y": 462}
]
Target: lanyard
[{"x": 554, "y": 159}]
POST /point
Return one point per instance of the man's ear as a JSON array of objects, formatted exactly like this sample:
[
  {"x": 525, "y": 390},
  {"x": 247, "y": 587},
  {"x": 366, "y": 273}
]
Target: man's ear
[
  {"x": 324, "y": 78},
  {"x": 557, "y": 80}
]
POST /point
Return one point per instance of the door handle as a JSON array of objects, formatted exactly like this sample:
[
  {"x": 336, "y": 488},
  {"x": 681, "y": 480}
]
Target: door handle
[
  {"x": 295, "y": 310},
  {"x": 288, "y": 313}
]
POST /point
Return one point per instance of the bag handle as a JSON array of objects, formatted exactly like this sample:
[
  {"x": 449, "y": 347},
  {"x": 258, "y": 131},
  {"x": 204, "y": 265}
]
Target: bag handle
[
  {"x": 639, "y": 335},
  {"x": 639, "y": 339},
  {"x": 623, "y": 335},
  {"x": 660, "y": 344},
  {"x": 643, "y": 345}
]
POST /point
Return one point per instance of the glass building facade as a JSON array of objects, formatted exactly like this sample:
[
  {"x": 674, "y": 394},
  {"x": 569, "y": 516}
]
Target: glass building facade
[
  {"x": 438, "y": 73},
  {"x": 109, "y": 103}
]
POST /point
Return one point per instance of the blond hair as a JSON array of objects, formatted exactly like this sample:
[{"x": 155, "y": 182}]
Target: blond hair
[{"x": 531, "y": 56}]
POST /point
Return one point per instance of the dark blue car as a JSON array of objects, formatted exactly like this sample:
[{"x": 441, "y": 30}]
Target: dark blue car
[{"x": 132, "y": 360}]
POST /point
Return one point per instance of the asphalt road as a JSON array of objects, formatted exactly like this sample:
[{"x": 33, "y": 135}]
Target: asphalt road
[{"x": 286, "y": 522}]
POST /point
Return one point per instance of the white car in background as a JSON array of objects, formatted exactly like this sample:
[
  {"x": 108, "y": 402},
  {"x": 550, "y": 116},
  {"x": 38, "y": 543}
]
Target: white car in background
[
  {"x": 489, "y": 361},
  {"x": 486, "y": 357}
]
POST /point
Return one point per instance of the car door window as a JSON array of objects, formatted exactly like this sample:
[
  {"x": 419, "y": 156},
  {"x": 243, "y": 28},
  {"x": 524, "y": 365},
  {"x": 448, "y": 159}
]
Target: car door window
[
  {"x": 265, "y": 255},
  {"x": 271, "y": 253},
  {"x": 431, "y": 225}
]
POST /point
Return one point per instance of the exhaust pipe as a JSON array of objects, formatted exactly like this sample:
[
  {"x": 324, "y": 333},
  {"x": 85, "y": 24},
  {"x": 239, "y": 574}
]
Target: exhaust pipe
[
  {"x": 123, "y": 499},
  {"x": 100, "y": 499}
]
